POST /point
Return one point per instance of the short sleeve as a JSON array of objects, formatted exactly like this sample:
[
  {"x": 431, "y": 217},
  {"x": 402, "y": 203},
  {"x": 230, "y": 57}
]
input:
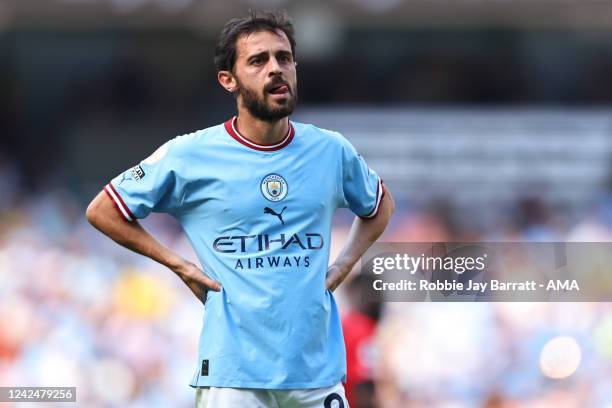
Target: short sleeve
[
  {"x": 362, "y": 188},
  {"x": 153, "y": 185}
]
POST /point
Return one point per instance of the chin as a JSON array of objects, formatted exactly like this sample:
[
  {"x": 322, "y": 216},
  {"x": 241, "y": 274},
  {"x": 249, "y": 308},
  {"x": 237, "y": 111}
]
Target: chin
[{"x": 280, "y": 109}]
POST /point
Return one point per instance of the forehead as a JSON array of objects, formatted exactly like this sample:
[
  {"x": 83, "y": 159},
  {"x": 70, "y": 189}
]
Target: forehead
[{"x": 261, "y": 41}]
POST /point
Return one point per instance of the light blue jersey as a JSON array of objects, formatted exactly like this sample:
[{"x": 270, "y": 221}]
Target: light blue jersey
[{"x": 259, "y": 219}]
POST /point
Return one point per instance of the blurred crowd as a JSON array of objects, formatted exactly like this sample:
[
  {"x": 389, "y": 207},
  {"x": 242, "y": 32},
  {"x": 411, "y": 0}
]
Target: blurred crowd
[
  {"x": 490, "y": 355},
  {"x": 78, "y": 310},
  {"x": 82, "y": 98}
]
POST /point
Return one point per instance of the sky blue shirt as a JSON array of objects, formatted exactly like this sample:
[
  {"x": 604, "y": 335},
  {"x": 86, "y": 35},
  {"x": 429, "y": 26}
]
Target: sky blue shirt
[{"x": 259, "y": 218}]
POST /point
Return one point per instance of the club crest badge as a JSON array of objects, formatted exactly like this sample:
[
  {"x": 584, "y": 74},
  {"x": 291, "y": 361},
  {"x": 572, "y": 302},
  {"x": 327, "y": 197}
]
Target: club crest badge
[{"x": 274, "y": 187}]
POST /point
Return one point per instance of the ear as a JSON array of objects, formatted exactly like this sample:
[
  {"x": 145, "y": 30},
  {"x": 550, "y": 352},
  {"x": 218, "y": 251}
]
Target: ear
[{"x": 227, "y": 81}]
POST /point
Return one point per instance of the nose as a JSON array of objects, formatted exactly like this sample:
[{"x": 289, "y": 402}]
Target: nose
[{"x": 274, "y": 66}]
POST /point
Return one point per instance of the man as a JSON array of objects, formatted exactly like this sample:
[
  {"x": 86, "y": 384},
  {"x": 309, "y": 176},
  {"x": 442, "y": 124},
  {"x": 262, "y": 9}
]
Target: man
[{"x": 256, "y": 196}]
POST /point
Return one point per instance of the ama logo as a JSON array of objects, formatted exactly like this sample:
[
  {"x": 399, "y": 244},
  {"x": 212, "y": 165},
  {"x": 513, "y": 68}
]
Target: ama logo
[{"x": 274, "y": 187}]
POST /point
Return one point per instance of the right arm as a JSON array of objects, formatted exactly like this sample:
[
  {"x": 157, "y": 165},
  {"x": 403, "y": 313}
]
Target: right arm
[{"x": 107, "y": 219}]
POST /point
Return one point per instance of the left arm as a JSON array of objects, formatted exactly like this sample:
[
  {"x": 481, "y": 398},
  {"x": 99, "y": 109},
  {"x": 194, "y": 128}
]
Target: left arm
[{"x": 364, "y": 232}]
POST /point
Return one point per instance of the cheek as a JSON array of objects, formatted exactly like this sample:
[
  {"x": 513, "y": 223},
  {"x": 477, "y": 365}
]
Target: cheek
[
  {"x": 292, "y": 75},
  {"x": 252, "y": 79}
]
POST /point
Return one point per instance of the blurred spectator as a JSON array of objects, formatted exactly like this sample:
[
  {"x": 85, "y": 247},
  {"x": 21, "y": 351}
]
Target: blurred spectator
[{"x": 359, "y": 323}]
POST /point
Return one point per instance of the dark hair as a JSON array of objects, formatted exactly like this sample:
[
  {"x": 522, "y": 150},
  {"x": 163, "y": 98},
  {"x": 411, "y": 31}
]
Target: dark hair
[{"x": 225, "y": 50}]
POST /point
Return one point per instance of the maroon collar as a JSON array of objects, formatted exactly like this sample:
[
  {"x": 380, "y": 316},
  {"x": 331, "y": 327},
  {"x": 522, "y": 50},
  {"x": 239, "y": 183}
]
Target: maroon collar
[{"x": 232, "y": 129}]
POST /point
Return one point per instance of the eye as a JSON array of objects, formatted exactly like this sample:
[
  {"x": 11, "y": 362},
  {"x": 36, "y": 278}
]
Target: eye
[{"x": 256, "y": 61}]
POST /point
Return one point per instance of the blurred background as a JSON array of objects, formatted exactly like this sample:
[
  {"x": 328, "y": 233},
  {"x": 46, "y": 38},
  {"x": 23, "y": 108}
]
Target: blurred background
[{"x": 489, "y": 120}]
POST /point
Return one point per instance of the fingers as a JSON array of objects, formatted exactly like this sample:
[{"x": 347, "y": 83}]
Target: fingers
[
  {"x": 332, "y": 280},
  {"x": 336, "y": 275},
  {"x": 198, "y": 275},
  {"x": 211, "y": 284}
]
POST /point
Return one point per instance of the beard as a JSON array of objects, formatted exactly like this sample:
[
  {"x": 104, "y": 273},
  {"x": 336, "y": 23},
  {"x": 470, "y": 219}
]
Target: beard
[{"x": 261, "y": 107}]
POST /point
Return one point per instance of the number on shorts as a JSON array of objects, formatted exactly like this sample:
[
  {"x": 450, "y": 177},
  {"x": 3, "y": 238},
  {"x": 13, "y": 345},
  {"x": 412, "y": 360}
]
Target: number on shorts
[{"x": 332, "y": 397}]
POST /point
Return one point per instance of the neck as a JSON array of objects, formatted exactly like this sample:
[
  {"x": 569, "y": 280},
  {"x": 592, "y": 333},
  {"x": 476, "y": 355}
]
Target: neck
[{"x": 260, "y": 131}]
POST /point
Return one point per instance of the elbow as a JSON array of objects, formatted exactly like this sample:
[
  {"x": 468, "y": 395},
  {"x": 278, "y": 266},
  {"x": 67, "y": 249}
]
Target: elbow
[
  {"x": 390, "y": 202},
  {"x": 91, "y": 214}
]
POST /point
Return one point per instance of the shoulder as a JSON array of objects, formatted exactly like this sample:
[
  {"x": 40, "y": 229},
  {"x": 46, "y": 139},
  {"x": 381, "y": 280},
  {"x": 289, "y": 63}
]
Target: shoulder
[
  {"x": 185, "y": 145},
  {"x": 317, "y": 134},
  {"x": 188, "y": 141}
]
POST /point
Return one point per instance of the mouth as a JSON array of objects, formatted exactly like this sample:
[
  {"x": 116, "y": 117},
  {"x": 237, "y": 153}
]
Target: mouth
[{"x": 281, "y": 89}]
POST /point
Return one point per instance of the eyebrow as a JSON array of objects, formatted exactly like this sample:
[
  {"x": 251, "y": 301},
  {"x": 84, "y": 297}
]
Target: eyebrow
[
  {"x": 264, "y": 53},
  {"x": 284, "y": 52},
  {"x": 259, "y": 54}
]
